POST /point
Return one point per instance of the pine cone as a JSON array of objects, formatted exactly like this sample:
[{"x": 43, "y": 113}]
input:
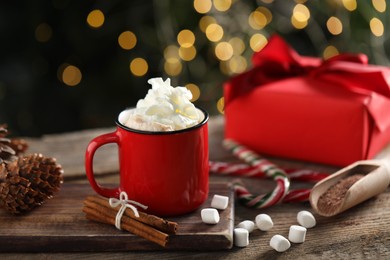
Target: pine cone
[
  {"x": 18, "y": 145},
  {"x": 28, "y": 182},
  {"x": 7, "y": 154}
]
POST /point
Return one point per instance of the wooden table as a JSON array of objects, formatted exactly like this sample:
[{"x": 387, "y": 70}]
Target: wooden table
[{"x": 361, "y": 232}]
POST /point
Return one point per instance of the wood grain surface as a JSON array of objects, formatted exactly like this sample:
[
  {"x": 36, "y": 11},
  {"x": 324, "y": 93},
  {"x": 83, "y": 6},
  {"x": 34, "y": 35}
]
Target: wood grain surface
[
  {"x": 362, "y": 232},
  {"x": 61, "y": 226}
]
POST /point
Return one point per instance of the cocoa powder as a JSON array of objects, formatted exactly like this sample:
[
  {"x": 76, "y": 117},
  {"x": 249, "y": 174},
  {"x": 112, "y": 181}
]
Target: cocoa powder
[{"x": 331, "y": 200}]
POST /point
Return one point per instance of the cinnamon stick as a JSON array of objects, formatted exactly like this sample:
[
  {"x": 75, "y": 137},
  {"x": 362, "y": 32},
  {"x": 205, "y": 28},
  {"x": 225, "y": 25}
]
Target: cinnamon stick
[
  {"x": 102, "y": 214},
  {"x": 161, "y": 224}
]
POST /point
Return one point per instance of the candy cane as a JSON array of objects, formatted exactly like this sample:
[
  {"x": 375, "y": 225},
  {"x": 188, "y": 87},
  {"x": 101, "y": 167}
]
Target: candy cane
[
  {"x": 270, "y": 170},
  {"x": 260, "y": 167},
  {"x": 243, "y": 195},
  {"x": 245, "y": 170},
  {"x": 297, "y": 195}
]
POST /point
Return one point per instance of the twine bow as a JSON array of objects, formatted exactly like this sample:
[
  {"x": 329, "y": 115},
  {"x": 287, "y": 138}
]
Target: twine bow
[{"x": 124, "y": 202}]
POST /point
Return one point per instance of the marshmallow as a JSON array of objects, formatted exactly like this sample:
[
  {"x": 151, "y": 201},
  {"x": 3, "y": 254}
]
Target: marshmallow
[
  {"x": 297, "y": 234},
  {"x": 247, "y": 224},
  {"x": 219, "y": 202},
  {"x": 241, "y": 237},
  {"x": 306, "y": 219},
  {"x": 264, "y": 222},
  {"x": 210, "y": 216},
  {"x": 279, "y": 243}
]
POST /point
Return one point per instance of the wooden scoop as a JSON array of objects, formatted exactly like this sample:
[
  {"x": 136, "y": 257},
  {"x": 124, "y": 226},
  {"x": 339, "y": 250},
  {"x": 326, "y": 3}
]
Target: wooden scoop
[{"x": 376, "y": 179}]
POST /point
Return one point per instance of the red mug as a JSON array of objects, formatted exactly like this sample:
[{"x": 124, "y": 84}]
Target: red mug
[{"x": 166, "y": 171}]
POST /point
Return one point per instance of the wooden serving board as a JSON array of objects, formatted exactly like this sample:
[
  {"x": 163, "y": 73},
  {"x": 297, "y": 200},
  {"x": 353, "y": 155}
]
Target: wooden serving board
[{"x": 60, "y": 226}]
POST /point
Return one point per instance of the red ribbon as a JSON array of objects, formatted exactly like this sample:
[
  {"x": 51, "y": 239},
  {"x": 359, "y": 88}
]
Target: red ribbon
[{"x": 278, "y": 61}]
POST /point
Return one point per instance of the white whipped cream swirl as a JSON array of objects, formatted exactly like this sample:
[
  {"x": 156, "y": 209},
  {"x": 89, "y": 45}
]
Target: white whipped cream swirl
[{"x": 164, "y": 108}]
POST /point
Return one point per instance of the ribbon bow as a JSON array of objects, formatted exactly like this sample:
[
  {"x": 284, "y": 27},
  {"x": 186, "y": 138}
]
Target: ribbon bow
[
  {"x": 124, "y": 202},
  {"x": 278, "y": 61}
]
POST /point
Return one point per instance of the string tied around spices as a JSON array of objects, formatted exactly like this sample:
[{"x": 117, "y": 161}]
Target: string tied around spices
[{"x": 124, "y": 202}]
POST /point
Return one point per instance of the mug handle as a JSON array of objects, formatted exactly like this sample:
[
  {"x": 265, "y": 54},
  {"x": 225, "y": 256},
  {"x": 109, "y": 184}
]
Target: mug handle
[{"x": 93, "y": 145}]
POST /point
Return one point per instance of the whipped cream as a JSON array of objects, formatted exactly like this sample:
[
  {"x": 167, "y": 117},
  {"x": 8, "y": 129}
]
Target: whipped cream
[{"x": 164, "y": 108}]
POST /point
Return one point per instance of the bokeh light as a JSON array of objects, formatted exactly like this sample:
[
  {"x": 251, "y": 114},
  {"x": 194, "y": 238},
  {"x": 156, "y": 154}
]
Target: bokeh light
[
  {"x": 139, "y": 67},
  {"x": 238, "y": 45},
  {"x": 43, "y": 32},
  {"x": 301, "y": 8},
  {"x": 214, "y": 32},
  {"x": 223, "y": 51},
  {"x": 379, "y": 5},
  {"x": 222, "y": 5},
  {"x": 257, "y": 20},
  {"x": 205, "y": 21},
  {"x": 334, "y": 25},
  {"x": 376, "y": 27},
  {"x": 187, "y": 54},
  {"x": 186, "y": 38},
  {"x": 266, "y": 12},
  {"x": 95, "y": 18},
  {"x": 70, "y": 75},
  {"x": 237, "y": 64},
  {"x": 127, "y": 40},
  {"x": 195, "y": 90},
  {"x": 171, "y": 52},
  {"x": 298, "y": 23},
  {"x": 329, "y": 52},
  {"x": 257, "y": 42},
  {"x": 300, "y": 16},
  {"x": 221, "y": 105},
  {"x": 173, "y": 67},
  {"x": 202, "y": 6},
  {"x": 350, "y": 5}
]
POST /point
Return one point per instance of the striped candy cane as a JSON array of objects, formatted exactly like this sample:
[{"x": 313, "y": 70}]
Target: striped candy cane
[
  {"x": 260, "y": 167},
  {"x": 270, "y": 170},
  {"x": 245, "y": 170}
]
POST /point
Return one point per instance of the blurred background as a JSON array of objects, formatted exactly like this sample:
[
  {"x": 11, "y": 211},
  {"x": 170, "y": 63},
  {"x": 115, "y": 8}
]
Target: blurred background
[{"x": 67, "y": 65}]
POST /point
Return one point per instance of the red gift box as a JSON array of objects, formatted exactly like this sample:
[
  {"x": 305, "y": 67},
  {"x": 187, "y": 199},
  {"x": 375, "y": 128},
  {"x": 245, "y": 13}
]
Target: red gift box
[{"x": 334, "y": 111}]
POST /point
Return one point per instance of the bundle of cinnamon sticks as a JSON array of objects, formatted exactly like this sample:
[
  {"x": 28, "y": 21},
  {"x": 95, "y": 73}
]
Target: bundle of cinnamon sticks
[{"x": 150, "y": 227}]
